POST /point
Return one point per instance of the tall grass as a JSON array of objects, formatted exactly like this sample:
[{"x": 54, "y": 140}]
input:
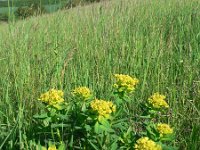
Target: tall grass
[{"x": 157, "y": 41}]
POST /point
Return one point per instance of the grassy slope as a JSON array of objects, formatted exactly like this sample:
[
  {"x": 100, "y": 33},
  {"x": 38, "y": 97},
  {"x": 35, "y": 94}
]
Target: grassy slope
[{"x": 156, "y": 41}]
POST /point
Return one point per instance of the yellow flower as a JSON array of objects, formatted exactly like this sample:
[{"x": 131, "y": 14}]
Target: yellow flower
[
  {"x": 164, "y": 129},
  {"x": 145, "y": 143},
  {"x": 125, "y": 83},
  {"x": 52, "y": 97},
  {"x": 52, "y": 147},
  {"x": 104, "y": 108},
  {"x": 158, "y": 101},
  {"x": 82, "y": 92}
]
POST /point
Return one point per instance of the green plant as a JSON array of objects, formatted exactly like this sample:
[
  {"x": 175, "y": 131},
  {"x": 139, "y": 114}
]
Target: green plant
[
  {"x": 24, "y": 12},
  {"x": 33, "y": 9},
  {"x": 155, "y": 40},
  {"x": 100, "y": 124},
  {"x": 4, "y": 17}
]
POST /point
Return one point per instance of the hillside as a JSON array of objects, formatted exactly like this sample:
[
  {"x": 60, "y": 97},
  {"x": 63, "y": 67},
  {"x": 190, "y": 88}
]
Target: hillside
[{"x": 156, "y": 41}]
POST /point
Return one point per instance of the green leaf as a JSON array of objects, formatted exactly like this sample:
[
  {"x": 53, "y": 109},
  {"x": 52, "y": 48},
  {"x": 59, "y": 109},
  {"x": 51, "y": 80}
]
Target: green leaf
[
  {"x": 63, "y": 117},
  {"x": 105, "y": 123},
  {"x": 53, "y": 112},
  {"x": 143, "y": 133},
  {"x": 93, "y": 145},
  {"x": 39, "y": 147},
  {"x": 118, "y": 101},
  {"x": 62, "y": 147},
  {"x": 114, "y": 146},
  {"x": 119, "y": 126},
  {"x": 88, "y": 127},
  {"x": 40, "y": 116},
  {"x": 151, "y": 133},
  {"x": 71, "y": 141},
  {"x": 106, "y": 128},
  {"x": 97, "y": 127},
  {"x": 119, "y": 121},
  {"x": 84, "y": 108},
  {"x": 129, "y": 130},
  {"x": 115, "y": 136},
  {"x": 169, "y": 137}
]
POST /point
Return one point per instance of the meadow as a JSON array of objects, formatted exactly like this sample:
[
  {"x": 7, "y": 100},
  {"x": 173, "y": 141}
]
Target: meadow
[{"x": 156, "y": 41}]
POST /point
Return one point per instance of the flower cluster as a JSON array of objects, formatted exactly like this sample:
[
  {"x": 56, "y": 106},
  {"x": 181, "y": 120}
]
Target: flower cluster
[
  {"x": 158, "y": 101},
  {"x": 104, "y": 108},
  {"x": 125, "y": 83},
  {"x": 145, "y": 143},
  {"x": 164, "y": 129},
  {"x": 52, "y": 97},
  {"x": 82, "y": 92},
  {"x": 95, "y": 117}
]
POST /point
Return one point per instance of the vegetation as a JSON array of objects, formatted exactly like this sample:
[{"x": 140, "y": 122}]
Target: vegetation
[
  {"x": 4, "y": 17},
  {"x": 20, "y": 3},
  {"x": 103, "y": 124},
  {"x": 157, "y": 42},
  {"x": 34, "y": 9},
  {"x": 22, "y": 9}
]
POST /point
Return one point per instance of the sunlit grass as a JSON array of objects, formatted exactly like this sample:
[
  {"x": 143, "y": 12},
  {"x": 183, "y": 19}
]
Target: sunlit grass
[{"x": 158, "y": 41}]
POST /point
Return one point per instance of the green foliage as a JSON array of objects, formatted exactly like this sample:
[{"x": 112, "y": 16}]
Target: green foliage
[
  {"x": 74, "y": 3},
  {"x": 71, "y": 4},
  {"x": 23, "y": 3},
  {"x": 89, "y": 130},
  {"x": 33, "y": 9},
  {"x": 24, "y": 12},
  {"x": 4, "y": 17},
  {"x": 36, "y": 7},
  {"x": 155, "y": 40}
]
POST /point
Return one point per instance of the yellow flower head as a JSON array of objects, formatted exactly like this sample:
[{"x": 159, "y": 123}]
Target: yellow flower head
[
  {"x": 104, "y": 108},
  {"x": 52, "y": 97},
  {"x": 145, "y": 143},
  {"x": 52, "y": 147},
  {"x": 164, "y": 129},
  {"x": 125, "y": 83},
  {"x": 158, "y": 101},
  {"x": 82, "y": 92}
]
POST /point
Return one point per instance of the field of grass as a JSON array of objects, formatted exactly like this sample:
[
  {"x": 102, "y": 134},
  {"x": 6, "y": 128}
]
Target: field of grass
[{"x": 156, "y": 41}]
